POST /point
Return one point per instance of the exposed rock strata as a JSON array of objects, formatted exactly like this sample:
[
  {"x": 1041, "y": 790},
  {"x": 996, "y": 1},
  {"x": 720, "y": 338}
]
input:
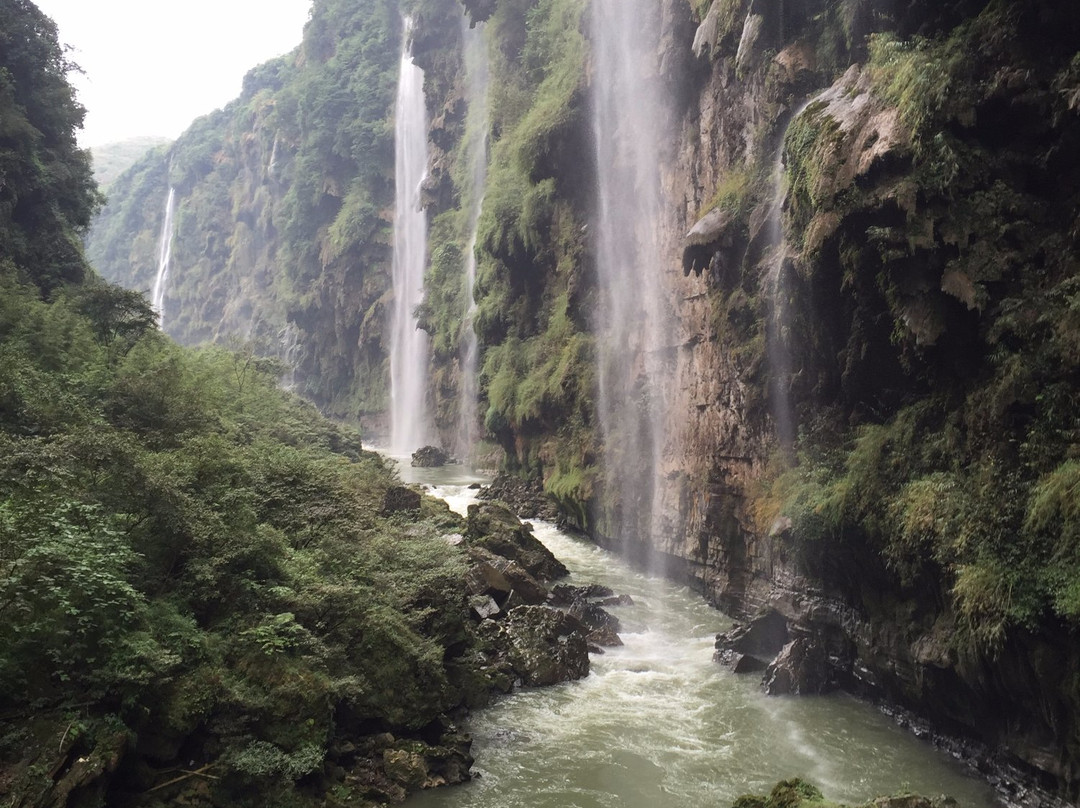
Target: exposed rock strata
[{"x": 875, "y": 636}]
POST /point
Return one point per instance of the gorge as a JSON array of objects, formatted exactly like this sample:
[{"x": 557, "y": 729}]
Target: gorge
[{"x": 889, "y": 476}]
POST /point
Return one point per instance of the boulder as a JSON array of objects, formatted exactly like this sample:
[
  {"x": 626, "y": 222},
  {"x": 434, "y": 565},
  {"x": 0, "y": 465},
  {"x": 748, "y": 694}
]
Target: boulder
[
  {"x": 484, "y": 578},
  {"x": 484, "y": 606},
  {"x": 593, "y": 616},
  {"x": 496, "y": 529},
  {"x": 565, "y": 594},
  {"x": 398, "y": 498},
  {"x": 542, "y": 646},
  {"x": 761, "y": 638},
  {"x": 529, "y": 590},
  {"x": 801, "y": 668},
  {"x": 524, "y": 495},
  {"x": 430, "y": 457},
  {"x": 604, "y": 637}
]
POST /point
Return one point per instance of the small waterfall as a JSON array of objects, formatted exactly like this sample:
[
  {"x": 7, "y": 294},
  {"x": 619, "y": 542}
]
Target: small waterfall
[
  {"x": 476, "y": 69},
  {"x": 777, "y": 293},
  {"x": 291, "y": 351},
  {"x": 157, "y": 299},
  {"x": 410, "y": 420},
  {"x": 271, "y": 167},
  {"x": 633, "y": 321},
  {"x": 776, "y": 325}
]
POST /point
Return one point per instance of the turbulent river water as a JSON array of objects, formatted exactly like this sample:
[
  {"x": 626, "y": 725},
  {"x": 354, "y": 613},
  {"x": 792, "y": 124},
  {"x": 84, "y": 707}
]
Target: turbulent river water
[{"x": 657, "y": 723}]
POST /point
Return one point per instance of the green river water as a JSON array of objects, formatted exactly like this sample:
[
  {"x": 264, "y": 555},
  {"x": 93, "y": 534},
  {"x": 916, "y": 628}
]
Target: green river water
[{"x": 657, "y": 723}]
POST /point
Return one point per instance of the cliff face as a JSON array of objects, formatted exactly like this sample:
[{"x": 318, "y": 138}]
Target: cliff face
[
  {"x": 868, "y": 239},
  {"x": 869, "y": 248},
  {"x": 281, "y": 234}
]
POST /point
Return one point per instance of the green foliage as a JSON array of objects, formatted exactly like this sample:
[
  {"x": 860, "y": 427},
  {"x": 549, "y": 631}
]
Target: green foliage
[
  {"x": 794, "y": 793},
  {"x": 180, "y": 537},
  {"x": 113, "y": 159},
  {"x": 280, "y": 210},
  {"x": 48, "y": 195}
]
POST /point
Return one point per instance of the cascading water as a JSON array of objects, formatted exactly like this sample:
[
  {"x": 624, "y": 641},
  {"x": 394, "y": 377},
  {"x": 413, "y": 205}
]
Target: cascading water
[
  {"x": 476, "y": 67},
  {"x": 630, "y": 128},
  {"x": 777, "y": 293},
  {"x": 657, "y": 723},
  {"x": 776, "y": 326},
  {"x": 157, "y": 298},
  {"x": 271, "y": 166},
  {"x": 410, "y": 419}
]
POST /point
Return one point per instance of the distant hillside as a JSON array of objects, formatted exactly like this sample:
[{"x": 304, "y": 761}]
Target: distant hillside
[{"x": 113, "y": 159}]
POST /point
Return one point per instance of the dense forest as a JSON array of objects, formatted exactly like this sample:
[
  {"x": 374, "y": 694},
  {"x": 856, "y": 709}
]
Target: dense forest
[
  {"x": 210, "y": 593},
  {"x": 869, "y": 251}
]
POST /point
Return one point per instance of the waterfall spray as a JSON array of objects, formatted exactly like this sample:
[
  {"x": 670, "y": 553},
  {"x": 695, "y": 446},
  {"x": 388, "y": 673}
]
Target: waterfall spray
[
  {"x": 157, "y": 299},
  {"x": 410, "y": 419},
  {"x": 633, "y": 318},
  {"x": 476, "y": 67},
  {"x": 777, "y": 294},
  {"x": 776, "y": 325}
]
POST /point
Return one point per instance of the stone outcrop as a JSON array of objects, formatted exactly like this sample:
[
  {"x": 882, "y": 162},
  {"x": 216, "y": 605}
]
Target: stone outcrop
[
  {"x": 495, "y": 528},
  {"x": 430, "y": 457},
  {"x": 524, "y": 495},
  {"x": 538, "y": 646},
  {"x": 398, "y": 498},
  {"x": 800, "y": 669}
]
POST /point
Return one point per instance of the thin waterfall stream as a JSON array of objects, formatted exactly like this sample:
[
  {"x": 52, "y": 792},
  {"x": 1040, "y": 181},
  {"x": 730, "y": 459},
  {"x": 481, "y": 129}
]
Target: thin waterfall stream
[
  {"x": 410, "y": 417},
  {"x": 657, "y": 723},
  {"x": 161, "y": 280},
  {"x": 632, "y": 323},
  {"x": 478, "y": 78}
]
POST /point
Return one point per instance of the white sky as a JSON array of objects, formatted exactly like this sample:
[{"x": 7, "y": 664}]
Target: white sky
[{"x": 152, "y": 66}]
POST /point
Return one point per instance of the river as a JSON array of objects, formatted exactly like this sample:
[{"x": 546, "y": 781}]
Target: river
[{"x": 657, "y": 723}]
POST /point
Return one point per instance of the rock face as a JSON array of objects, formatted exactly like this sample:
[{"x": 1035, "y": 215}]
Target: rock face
[
  {"x": 495, "y": 528},
  {"x": 399, "y": 498},
  {"x": 800, "y": 669},
  {"x": 541, "y": 646},
  {"x": 848, "y": 618},
  {"x": 525, "y": 496},
  {"x": 430, "y": 457}
]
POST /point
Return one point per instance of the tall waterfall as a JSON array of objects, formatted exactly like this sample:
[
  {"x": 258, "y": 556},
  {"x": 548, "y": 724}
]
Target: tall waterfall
[
  {"x": 777, "y": 324},
  {"x": 778, "y": 296},
  {"x": 157, "y": 298},
  {"x": 633, "y": 318},
  {"x": 476, "y": 68},
  {"x": 410, "y": 419}
]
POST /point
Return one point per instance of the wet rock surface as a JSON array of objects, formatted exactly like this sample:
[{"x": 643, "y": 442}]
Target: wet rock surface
[
  {"x": 539, "y": 646},
  {"x": 497, "y": 529},
  {"x": 398, "y": 498},
  {"x": 430, "y": 457},
  {"x": 801, "y": 668},
  {"x": 524, "y": 496}
]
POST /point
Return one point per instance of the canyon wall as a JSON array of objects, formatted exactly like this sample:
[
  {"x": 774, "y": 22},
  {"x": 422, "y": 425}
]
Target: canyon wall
[
  {"x": 868, "y": 247},
  {"x": 915, "y": 531}
]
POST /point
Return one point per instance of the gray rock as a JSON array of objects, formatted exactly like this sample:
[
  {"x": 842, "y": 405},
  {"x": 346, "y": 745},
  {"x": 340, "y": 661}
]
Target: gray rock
[
  {"x": 399, "y": 499},
  {"x": 544, "y": 646},
  {"x": 801, "y": 668},
  {"x": 430, "y": 457},
  {"x": 496, "y": 529}
]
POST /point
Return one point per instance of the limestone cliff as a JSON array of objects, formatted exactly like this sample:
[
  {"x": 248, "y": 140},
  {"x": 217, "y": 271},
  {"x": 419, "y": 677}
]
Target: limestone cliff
[
  {"x": 913, "y": 194},
  {"x": 868, "y": 239}
]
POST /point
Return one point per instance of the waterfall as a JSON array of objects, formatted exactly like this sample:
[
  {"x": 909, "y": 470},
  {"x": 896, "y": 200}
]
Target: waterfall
[
  {"x": 272, "y": 165},
  {"x": 410, "y": 419},
  {"x": 776, "y": 325},
  {"x": 157, "y": 299},
  {"x": 777, "y": 294},
  {"x": 476, "y": 69},
  {"x": 633, "y": 318}
]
